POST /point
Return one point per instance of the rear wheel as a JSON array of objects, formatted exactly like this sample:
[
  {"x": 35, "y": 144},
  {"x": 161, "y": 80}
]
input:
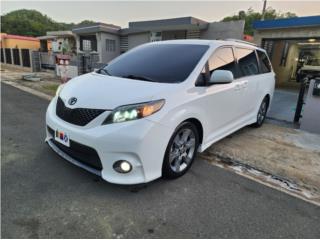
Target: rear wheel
[
  {"x": 261, "y": 116},
  {"x": 181, "y": 151}
]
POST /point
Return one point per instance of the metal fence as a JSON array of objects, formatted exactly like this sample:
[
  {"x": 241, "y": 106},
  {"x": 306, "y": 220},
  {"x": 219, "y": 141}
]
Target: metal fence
[
  {"x": 16, "y": 56},
  {"x": 47, "y": 60},
  {"x": 37, "y": 61}
]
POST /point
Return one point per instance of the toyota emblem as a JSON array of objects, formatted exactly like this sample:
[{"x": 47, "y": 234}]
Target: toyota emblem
[{"x": 72, "y": 101}]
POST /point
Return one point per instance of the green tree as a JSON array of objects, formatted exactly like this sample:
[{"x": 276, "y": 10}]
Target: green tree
[
  {"x": 250, "y": 16},
  {"x": 32, "y": 23}
]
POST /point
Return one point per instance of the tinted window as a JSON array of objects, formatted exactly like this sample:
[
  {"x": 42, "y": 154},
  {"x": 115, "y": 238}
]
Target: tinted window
[
  {"x": 168, "y": 63},
  {"x": 247, "y": 62},
  {"x": 264, "y": 62},
  {"x": 223, "y": 59}
]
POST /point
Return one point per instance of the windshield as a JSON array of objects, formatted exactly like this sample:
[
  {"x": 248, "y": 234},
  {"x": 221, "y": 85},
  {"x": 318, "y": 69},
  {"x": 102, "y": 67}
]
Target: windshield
[{"x": 165, "y": 63}]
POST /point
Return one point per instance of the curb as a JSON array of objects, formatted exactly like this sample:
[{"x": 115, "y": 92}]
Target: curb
[
  {"x": 265, "y": 178},
  {"x": 28, "y": 90}
]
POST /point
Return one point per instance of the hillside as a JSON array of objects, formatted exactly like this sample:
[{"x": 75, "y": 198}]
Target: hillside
[{"x": 31, "y": 23}]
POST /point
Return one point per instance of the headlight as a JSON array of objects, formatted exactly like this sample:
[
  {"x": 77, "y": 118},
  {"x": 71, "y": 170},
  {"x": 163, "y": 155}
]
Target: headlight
[
  {"x": 134, "y": 111},
  {"x": 59, "y": 89}
]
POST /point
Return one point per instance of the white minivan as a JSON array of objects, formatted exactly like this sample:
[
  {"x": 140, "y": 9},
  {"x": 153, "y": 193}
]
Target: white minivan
[{"x": 149, "y": 111}]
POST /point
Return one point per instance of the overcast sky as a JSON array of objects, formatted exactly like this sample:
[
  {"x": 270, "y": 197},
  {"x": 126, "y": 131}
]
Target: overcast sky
[{"x": 121, "y": 12}]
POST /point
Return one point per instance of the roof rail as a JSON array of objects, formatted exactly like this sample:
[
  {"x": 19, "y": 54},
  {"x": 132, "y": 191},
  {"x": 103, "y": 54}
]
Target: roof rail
[{"x": 240, "y": 41}]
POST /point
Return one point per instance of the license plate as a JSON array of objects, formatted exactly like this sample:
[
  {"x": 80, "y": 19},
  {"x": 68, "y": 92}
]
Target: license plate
[{"x": 62, "y": 137}]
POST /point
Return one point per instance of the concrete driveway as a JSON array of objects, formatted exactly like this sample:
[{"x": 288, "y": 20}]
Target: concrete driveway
[{"x": 45, "y": 196}]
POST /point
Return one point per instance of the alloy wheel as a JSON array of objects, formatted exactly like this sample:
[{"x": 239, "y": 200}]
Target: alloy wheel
[
  {"x": 262, "y": 112},
  {"x": 182, "y": 150}
]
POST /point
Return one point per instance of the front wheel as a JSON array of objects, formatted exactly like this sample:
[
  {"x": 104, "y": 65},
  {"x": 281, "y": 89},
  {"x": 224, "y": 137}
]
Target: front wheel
[
  {"x": 261, "y": 116},
  {"x": 181, "y": 151}
]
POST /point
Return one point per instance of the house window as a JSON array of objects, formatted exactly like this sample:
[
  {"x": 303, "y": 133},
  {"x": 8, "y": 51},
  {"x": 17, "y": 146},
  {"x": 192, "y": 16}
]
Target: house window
[
  {"x": 86, "y": 45},
  {"x": 110, "y": 45},
  {"x": 268, "y": 46}
]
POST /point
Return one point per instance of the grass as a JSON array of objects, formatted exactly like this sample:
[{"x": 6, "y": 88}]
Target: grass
[{"x": 52, "y": 88}]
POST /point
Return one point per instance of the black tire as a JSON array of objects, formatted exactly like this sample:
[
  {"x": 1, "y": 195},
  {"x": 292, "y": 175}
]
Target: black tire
[
  {"x": 262, "y": 112},
  {"x": 169, "y": 169}
]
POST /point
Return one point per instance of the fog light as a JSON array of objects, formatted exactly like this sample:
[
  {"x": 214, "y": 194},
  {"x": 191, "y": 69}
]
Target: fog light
[{"x": 122, "y": 166}]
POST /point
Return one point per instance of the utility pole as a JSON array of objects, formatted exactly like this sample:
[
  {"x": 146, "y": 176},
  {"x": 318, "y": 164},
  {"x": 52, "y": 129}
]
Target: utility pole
[{"x": 264, "y": 9}]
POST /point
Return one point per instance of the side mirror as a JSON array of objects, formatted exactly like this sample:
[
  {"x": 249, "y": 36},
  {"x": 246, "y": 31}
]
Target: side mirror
[{"x": 221, "y": 76}]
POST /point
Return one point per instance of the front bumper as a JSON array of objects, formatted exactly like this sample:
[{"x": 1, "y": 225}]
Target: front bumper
[
  {"x": 74, "y": 161},
  {"x": 140, "y": 142}
]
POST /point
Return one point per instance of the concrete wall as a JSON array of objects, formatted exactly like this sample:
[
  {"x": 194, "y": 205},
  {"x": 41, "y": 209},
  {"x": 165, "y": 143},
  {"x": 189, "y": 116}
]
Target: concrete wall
[
  {"x": 283, "y": 73},
  {"x": 20, "y": 43},
  {"x": 223, "y": 30},
  {"x": 170, "y": 35},
  {"x": 107, "y": 56},
  {"x": 138, "y": 39},
  {"x": 305, "y": 32},
  {"x": 69, "y": 43},
  {"x": 77, "y": 37}
]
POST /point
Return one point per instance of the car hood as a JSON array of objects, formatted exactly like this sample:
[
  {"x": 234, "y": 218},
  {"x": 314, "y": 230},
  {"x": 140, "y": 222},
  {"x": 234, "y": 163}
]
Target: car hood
[{"x": 99, "y": 91}]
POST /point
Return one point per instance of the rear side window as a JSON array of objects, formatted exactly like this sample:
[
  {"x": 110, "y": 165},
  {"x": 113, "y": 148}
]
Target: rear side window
[
  {"x": 264, "y": 62},
  {"x": 223, "y": 59},
  {"x": 247, "y": 62}
]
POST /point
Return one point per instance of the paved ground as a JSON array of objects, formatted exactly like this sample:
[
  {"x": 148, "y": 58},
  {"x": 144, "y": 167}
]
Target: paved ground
[
  {"x": 44, "y": 196},
  {"x": 267, "y": 149},
  {"x": 48, "y": 84}
]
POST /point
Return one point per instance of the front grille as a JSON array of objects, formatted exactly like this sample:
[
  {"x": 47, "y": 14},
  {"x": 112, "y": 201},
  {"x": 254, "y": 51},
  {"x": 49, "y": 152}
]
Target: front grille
[
  {"x": 79, "y": 152},
  {"x": 51, "y": 131},
  {"x": 77, "y": 116}
]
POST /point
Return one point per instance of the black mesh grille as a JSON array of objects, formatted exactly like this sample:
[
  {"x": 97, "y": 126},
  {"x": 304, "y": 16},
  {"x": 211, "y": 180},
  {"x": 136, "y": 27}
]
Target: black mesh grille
[
  {"x": 79, "y": 152},
  {"x": 77, "y": 116}
]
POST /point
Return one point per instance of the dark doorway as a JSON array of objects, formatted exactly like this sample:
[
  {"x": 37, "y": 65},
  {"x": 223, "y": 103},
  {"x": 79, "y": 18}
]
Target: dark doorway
[
  {"x": 8, "y": 56},
  {"x": 2, "y": 55},
  {"x": 25, "y": 53},
  {"x": 16, "y": 56}
]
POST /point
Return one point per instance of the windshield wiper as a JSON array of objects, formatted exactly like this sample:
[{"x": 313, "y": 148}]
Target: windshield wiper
[
  {"x": 137, "y": 77},
  {"x": 103, "y": 71}
]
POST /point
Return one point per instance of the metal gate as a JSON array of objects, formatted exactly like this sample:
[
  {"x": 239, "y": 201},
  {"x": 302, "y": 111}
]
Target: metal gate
[
  {"x": 8, "y": 55},
  {"x": 16, "y": 56},
  {"x": 25, "y": 53},
  {"x": 86, "y": 64},
  {"x": 2, "y": 55}
]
